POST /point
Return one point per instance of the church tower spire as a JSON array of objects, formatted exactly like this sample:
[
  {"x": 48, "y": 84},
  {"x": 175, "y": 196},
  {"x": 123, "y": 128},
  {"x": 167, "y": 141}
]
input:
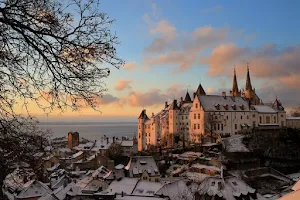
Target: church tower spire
[
  {"x": 235, "y": 87},
  {"x": 248, "y": 80}
]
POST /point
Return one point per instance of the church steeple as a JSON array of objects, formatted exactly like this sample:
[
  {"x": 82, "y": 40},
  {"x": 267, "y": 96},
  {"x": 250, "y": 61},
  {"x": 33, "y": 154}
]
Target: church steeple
[
  {"x": 235, "y": 87},
  {"x": 248, "y": 80}
]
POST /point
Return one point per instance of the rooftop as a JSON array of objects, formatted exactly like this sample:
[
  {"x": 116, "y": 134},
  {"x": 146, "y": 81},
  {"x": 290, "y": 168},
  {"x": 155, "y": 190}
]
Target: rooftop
[{"x": 138, "y": 164}]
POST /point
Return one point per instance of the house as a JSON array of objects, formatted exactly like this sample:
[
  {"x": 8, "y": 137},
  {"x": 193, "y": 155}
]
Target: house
[
  {"x": 143, "y": 167},
  {"x": 128, "y": 147}
]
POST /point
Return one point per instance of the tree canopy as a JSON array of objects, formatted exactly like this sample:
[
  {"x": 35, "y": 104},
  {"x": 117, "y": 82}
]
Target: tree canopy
[
  {"x": 56, "y": 54},
  {"x": 51, "y": 53}
]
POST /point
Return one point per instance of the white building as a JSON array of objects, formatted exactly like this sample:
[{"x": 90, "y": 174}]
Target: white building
[{"x": 211, "y": 116}]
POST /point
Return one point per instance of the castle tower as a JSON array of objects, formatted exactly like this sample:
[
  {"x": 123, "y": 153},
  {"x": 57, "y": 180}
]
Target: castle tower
[
  {"x": 249, "y": 92},
  {"x": 235, "y": 89},
  {"x": 73, "y": 139},
  {"x": 173, "y": 122},
  {"x": 141, "y": 130}
]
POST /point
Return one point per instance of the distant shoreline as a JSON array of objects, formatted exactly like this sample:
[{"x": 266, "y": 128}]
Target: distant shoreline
[{"x": 84, "y": 122}]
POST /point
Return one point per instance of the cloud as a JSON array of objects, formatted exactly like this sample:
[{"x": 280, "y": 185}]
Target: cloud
[
  {"x": 211, "y": 9},
  {"x": 153, "y": 97},
  {"x": 107, "y": 99},
  {"x": 222, "y": 56},
  {"x": 210, "y": 90},
  {"x": 123, "y": 84},
  {"x": 182, "y": 49},
  {"x": 130, "y": 66},
  {"x": 165, "y": 35}
]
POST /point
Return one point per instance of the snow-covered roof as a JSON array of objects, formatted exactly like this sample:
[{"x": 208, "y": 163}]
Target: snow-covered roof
[
  {"x": 200, "y": 166},
  {"x": 176, "y": 190},
  {"x": 33, "y": 189},
  {"x": 228, "y": 188},
  {"x": 119, "y": 166},
  {"x": 138, "y": 164},
  {"x": 209, "y": 102},
  {"x": 264, "y": 109},
  {"x": 127, "y": 143},
  {"x": 125, "y": 185},
  {"x": 102, "y": 144},
  {"x": 195, "y": 176},
  {"x": 64, "y": 150},
  {"x": 79, "y": 153},
  {"x": 146, "y": 188},
  {"x": 102, "y": 172}
]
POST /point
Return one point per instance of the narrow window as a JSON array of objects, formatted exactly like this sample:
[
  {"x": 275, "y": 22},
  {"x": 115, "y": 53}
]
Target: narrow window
[
  {"x": 235, "y": 126},
  {"x": 198, "y": 126},
  {"x": 260, "y": 120},
  {"x": 194, "y": 126},
  {"x": 222, "y": 127},
  {"x": 194, "y": 116},
  {"x": 198, "y": 116}
]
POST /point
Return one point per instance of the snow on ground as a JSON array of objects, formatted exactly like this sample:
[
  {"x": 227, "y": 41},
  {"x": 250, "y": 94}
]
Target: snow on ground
[
  {"x": 234, "y": 144},
  {"x": 295, "y": 176}
]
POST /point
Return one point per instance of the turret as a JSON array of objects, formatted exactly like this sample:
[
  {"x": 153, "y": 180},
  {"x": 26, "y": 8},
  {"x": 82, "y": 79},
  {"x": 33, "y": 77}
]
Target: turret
[
  {"x": 248, "y": 80},
  {"x": 200, "y": 90},
  {"x": 140, "y": 133},
  {"x": 187, "y": 98}
]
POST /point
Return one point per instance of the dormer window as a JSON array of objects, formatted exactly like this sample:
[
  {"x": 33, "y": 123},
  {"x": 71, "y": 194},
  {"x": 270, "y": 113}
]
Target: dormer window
[
  {"x": 217, "y": 106},
  {"x": 225, "y": 106},
  {"x": 242, "y": 107},
  {"x": 233, "y": 106}
]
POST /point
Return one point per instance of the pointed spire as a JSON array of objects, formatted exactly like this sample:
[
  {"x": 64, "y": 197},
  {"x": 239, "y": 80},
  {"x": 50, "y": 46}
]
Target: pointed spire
[
  {"x": 143, "y": 115},
  {"x": 235, "y": 87},
  {"x": 248, "y": 80},
  {"x": 200, "y": 90},
  {"x": 187, "y": 98}
]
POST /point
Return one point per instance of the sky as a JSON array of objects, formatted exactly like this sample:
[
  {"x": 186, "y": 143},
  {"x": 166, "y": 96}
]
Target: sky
[{"x": 171, "y": 46}]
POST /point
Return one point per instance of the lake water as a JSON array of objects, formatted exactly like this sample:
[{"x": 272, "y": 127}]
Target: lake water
[{"x": 91, "y": 130}]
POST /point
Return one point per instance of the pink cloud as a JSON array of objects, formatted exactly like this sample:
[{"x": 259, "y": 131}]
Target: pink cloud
[
  {"x": 223, "y": 56},
  {"x": 130, "y": 66},
  {"x": 123, "y": 84}
]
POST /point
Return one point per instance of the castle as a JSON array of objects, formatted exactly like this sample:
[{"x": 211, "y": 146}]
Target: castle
[{"x": 209, "y": 116}]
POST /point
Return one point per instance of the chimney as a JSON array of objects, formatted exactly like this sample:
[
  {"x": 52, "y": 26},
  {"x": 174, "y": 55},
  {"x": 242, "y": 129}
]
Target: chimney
[
  {"x": 107, "y": 140},
  {"x": 122, "y": 194},
  {"x": 181, "y": 99},
  {"x": 166, "y": 104},
  {"x": 114, "y": 139},
  {"x": 224, "y": 95}
]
